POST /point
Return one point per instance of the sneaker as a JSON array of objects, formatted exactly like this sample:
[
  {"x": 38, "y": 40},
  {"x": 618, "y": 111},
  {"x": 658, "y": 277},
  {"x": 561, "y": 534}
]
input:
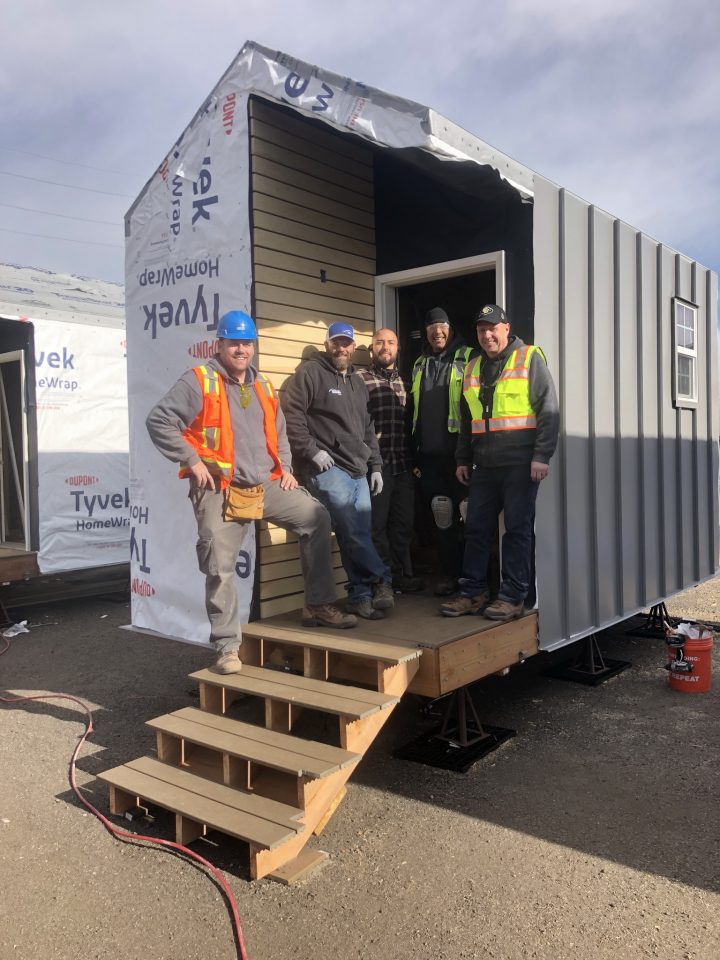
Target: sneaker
[
  {"x": 383, "y": 597},
  {"x": 405, "y": 584},
  {"x": 364, "y": 608},
  {"x": 327, "y": 615},
  {"x": 464, "y": 605},
  {"x": 504, "y": 610},
  {"x": 228, "y": 663},
  {"x": 446, "y": 588}
]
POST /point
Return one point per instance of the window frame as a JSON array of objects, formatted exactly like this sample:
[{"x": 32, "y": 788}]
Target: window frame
[{"x": 683, "y": 401}]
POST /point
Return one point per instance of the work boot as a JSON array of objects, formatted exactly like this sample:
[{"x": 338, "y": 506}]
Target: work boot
[
  {"x": 383, "y": 597},
  {"x": 228, "y": 663},
  {"x": 446, "y": 587},
  {"x": 364, "y": 608},
  {"x": 405, "y": 584},
  {"x": 327, "y": 615},
  {"x": 464, "y": 605},
  {"x": 504, "y": 610}
]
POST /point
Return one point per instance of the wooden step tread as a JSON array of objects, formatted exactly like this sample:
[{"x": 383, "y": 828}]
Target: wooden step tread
[
  {"x": 307, "y": 637},
  {"x": 345, "y": 701},
  {"x": 258, "y": 820},
  {"x": 301, "y": 758}
]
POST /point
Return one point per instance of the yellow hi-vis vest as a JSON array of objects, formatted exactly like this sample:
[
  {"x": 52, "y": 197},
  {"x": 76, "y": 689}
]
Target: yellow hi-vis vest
[
  {"x": 511, "y": 408},
  {"x": 457, "y": 369}
]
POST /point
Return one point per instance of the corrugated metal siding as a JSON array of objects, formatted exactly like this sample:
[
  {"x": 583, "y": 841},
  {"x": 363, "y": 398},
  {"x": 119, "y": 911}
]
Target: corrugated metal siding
[
  {"x": 629, "y": 515},
  {"x": 313, "y": 240}
]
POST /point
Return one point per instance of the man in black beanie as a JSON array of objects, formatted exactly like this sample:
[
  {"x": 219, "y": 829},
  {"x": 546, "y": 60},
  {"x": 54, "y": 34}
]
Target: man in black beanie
[{"x": 436, "y": 390}]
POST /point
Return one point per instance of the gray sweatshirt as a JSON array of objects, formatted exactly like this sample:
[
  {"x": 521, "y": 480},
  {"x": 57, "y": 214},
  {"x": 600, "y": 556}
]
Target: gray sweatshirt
[{"x": 168, "y": 420}]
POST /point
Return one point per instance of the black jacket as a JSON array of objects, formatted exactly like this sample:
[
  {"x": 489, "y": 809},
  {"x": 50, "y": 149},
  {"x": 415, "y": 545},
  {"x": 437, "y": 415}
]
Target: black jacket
[{"x": 325, "y": 410}]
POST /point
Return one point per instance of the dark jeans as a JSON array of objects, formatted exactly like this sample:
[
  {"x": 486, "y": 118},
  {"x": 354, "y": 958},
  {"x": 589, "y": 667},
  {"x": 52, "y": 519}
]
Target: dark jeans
[
  {"x": 393, "y": 517},
  {"x": 492, "y": 490},
  {"x": 438, "y": 479}
]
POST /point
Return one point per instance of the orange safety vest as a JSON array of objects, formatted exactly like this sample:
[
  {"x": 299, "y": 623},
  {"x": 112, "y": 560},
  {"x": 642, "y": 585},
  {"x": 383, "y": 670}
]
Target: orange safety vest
[{"x": 210, "y": 433}]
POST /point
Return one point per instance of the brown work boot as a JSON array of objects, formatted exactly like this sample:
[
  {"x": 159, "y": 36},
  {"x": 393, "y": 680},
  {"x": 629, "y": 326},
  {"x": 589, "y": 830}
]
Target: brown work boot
[
  {"x": 462, "y": 605},
  {"x": 228, "y": 663},
  {"x": 383, "y": 597},
  {"x": 504, "y": 610},
  {"x": 327, "y": 615}
]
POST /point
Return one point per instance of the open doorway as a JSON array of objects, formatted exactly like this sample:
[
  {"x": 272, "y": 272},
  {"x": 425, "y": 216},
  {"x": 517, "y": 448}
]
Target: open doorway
[
  {"x": 14, "y": 533},
  {"x": 460, "y": 287},
  {"x": 402, "y": 300}
]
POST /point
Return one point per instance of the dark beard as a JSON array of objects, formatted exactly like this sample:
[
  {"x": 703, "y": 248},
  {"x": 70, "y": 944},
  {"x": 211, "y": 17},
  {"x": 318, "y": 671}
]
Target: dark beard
[{"x": 340, "y": 364}]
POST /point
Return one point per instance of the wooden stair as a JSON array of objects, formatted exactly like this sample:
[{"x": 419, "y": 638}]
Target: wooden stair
[{"x": 265, "y": 785}]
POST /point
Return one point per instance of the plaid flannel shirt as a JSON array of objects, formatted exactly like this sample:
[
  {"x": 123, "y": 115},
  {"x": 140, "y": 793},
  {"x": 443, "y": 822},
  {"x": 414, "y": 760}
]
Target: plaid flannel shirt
[{"x": 388, "y": 409}]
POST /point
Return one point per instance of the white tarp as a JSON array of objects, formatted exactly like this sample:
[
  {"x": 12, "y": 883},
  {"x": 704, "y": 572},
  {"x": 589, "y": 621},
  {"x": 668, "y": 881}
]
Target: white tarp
[
  {"x": 189, "y": 260},
  {"x": 82, "y": 444}
]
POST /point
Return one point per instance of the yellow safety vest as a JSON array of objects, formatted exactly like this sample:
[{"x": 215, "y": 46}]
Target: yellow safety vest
[
  {"x": 457, "y": 369},
  {"x": 511, "y": 407}
]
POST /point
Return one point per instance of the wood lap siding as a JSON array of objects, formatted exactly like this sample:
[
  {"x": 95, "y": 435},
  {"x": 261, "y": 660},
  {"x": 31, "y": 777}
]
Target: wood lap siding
[{"x": 313, "y": 241}]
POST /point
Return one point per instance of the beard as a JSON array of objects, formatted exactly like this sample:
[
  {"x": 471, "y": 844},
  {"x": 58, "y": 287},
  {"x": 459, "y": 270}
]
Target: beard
[
  {"x": 384, "y": 363},
  {"x": 340, "y": 363}
]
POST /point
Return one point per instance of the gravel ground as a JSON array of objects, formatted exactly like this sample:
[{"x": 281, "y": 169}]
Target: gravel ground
[{"x": 594, "y": 833}]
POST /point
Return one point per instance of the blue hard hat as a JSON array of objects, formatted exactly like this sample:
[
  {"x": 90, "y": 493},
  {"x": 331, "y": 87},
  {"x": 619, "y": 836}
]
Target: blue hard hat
[{"x": 236, "y": 325}]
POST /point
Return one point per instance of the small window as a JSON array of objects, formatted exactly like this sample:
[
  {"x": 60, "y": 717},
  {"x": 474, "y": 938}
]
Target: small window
[{"x": 685, "y": 390}]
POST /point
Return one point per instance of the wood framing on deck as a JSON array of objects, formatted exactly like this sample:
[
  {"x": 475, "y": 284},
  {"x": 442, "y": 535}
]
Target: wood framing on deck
[{"x": 455, "y": 650}]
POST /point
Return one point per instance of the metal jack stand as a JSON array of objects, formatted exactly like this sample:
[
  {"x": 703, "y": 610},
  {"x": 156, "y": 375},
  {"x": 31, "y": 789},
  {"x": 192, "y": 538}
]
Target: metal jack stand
[
  {"x": 655, "y": 622},
  {"x": 459, "y": 741},
  {"x": 589, "y": 666}
]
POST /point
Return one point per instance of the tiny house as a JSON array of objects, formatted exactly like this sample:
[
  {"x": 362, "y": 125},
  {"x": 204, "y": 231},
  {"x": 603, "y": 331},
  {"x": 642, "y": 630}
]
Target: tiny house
[
  {"x": 304, "y": 197},
  {"x": 64, "y": 499}
]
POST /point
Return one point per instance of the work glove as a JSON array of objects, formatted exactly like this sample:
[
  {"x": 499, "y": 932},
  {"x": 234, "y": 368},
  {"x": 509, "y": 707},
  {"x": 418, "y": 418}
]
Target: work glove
[
  {"x": 323, "y": 461},
  {"x": 376, "y": 483}
]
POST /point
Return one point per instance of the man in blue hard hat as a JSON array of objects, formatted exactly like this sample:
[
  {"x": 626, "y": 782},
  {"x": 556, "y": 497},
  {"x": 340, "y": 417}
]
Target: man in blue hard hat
[
  {"x": 334, "y": 444},
  {"x": 222, "y": 423}
]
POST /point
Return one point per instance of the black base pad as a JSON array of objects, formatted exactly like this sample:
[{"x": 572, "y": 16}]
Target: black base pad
[
  {"x": 570, "y": 671},
  {"x": 431, "y": 750}
]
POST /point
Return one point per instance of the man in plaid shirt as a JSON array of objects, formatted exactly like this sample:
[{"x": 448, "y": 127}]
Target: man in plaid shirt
[{"x": 393, "y": 510}]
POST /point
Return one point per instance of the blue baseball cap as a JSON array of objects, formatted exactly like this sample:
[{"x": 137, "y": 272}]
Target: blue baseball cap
[{"x": 340, "y": 329}]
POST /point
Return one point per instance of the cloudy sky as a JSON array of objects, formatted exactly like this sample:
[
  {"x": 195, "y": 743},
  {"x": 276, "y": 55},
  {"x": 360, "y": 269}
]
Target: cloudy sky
[{"x": 617, "y": 101}]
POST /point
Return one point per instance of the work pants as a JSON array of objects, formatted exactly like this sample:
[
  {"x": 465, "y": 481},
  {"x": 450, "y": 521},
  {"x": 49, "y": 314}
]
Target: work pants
[
  {"x": 493, "y": 489},
  {"x": 393, "y": 516},
  {"x": 348, "y": 502},
  {"x": 219, "y": 542},
  {"x": 438, "y": 479}
]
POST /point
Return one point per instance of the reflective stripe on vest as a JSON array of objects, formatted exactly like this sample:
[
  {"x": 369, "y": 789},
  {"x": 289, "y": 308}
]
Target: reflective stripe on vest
[
  {"x": 511, "y": 407},
  {"x": 210, "y": 434},
  {"x": 455, "y": 387}
]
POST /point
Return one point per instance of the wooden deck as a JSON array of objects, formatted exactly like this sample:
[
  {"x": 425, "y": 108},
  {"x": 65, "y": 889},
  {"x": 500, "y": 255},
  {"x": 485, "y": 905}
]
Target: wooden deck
[
  {"x": 16, "y": 563},
  {"x": 455, "y": 650}
]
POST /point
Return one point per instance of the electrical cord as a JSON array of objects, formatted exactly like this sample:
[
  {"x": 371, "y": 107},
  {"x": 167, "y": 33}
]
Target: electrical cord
[{"x": 124, "y": 834}]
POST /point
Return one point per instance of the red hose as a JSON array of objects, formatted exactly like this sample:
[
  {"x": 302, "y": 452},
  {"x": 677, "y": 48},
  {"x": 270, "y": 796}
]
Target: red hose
[{"x": 124, "y": 834}]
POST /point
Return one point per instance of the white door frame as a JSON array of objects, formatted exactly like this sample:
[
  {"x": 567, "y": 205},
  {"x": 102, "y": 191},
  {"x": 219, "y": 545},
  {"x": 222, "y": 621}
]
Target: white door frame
[
  {"x": 21, "y": 485},
  {"x": 387, "y": 284}
]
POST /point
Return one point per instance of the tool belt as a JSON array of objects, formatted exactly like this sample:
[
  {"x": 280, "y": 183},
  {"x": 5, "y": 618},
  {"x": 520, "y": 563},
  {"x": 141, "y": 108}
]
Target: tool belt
[{"x": 243, "y": 503}]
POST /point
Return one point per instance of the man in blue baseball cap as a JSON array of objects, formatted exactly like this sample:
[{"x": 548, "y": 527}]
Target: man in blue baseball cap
[
  {"x": 222, "y": 423},
  {"x": 335, "y": 448}
]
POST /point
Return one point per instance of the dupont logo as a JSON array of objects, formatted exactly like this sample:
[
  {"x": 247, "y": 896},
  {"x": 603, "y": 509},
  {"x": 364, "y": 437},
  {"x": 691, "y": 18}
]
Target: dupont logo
[
  {"x": 142, "y": 588},
  {"x": 202, "y": 350},
  {"x": 82, "y": 480}
]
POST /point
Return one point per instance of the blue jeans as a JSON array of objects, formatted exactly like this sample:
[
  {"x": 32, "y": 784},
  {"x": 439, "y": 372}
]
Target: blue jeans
[
  {"x": 348, "y": 503},
  {"x": 494, "y": 489}
]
